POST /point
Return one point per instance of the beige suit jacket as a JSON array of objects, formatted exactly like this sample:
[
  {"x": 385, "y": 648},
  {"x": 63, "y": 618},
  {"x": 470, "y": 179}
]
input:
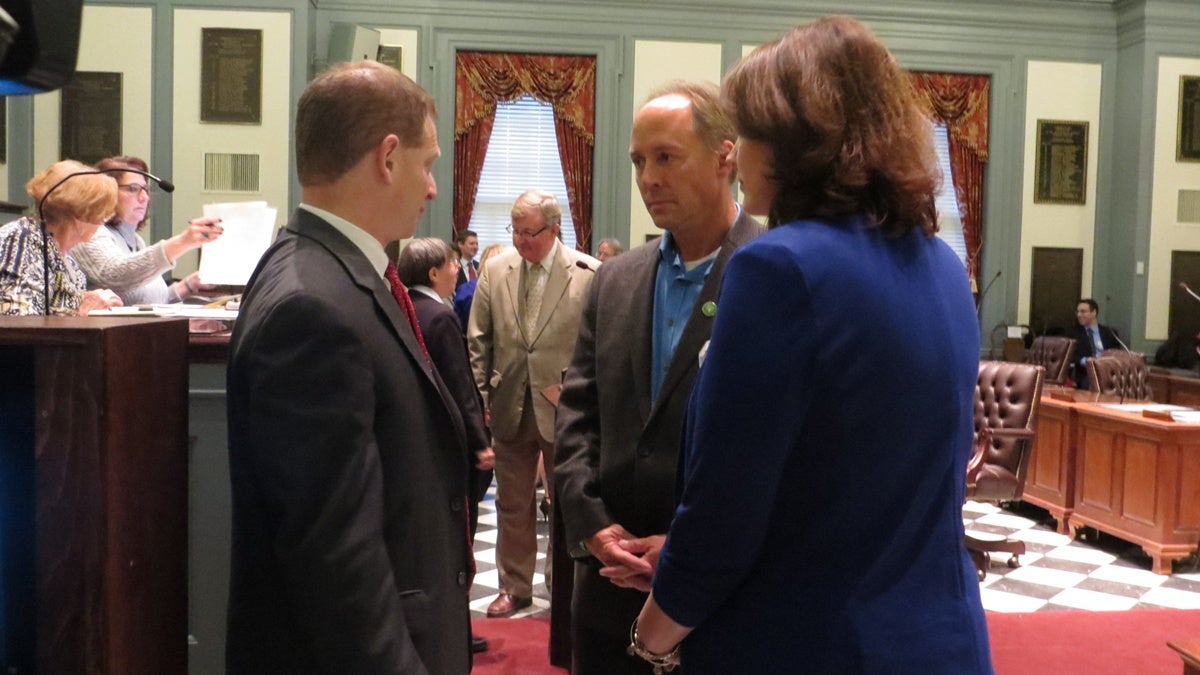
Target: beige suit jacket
[{"x": 504, "y": 360}]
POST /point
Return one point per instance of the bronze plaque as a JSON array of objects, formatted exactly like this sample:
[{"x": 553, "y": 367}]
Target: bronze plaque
[
  {"x": 390, "y": 56},
  {"x": 231, "y": 76},
  {"x": 1188, "y": 147},
  {"x": 1060, "y": 175},
  {"x": 90, "y": 117}
]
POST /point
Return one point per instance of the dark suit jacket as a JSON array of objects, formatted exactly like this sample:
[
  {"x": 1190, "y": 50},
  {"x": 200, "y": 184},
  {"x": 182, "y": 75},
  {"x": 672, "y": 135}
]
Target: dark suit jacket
[
  {"x": 616, "y": 449},
  {"x": 463, "y": 277},
  {"x": 448, "y": 348},
  {"x": 1085, "y": 350},
  {"x": 347, "y": 462}
]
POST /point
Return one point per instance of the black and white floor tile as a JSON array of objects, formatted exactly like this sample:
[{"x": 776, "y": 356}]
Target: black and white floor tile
[{"x": 1094, "y": 572}]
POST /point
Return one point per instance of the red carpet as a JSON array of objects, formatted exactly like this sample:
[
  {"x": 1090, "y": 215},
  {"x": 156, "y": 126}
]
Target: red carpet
[
  {"x": 1091, "y": 643},
  {"x": 1053, "y": 642}
]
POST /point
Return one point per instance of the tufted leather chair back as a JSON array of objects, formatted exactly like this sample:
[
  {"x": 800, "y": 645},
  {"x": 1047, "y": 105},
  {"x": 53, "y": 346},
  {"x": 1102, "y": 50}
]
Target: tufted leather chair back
[
  {"x": 1006, "y": 399},
  {"x": 1052, "y": 353},
  {"x": 1120, "y": 373}
]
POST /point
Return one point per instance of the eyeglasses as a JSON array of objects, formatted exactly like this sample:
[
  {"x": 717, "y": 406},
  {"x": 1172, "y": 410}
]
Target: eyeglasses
[
  {"x": 528, "y": 235},
  {"x": 134, "y": 188}
]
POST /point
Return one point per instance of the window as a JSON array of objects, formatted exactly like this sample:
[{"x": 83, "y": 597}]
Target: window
[
  {"x": 522, "y": 155},
  {"x": 950, "y": 227}
]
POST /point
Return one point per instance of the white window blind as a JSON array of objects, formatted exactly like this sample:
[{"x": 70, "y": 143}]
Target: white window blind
[
  {"x": 949, "y": 219},
  {"x": 522, "y": 155}
]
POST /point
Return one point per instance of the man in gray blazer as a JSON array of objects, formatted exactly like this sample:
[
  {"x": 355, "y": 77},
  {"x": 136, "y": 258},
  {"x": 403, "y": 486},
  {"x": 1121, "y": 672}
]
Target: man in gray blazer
[
  {"x": 520, "y": 333},
  {"x": 347, "y": 455},
  {"x": 647, "y": 317}
]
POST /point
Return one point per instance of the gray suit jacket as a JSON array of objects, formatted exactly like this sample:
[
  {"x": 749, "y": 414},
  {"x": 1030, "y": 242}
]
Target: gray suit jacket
[
  {"x": 348, "y": 463},
  {"x": 505, "y": 360},
  {"x": 616, "y": 449}
]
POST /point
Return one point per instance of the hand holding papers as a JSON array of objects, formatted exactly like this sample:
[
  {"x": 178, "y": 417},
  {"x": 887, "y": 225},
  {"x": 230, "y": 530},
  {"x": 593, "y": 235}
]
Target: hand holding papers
[{"x": 249, "y": 229}]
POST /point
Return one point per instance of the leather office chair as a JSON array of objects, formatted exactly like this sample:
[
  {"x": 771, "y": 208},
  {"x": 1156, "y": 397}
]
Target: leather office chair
[
  {"x": 1006, "y": 403},
  {"x": 1054, "y": 354},
  {"x": 1120, "y": 373}
]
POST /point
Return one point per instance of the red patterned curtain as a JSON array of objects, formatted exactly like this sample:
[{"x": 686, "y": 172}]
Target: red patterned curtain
[
  {"x": 961, "y": 103},
  {"x": 568, "y": 83}
]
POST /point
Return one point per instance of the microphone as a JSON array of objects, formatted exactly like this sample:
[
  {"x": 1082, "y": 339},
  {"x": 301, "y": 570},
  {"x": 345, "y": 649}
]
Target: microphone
[
  {"x": 584, "y": 266},
  {"x": 979, "y": 302},
  {"x": 164, "y": 185},
  {"x": 1184, "y": 286}
]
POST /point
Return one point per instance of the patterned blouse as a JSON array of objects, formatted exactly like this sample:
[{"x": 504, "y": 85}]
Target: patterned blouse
[{"x": 21, "y": 285}]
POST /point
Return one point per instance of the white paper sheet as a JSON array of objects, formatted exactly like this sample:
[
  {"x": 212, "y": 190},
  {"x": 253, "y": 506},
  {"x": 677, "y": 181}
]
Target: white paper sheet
[{"x": 249, "y": 230}]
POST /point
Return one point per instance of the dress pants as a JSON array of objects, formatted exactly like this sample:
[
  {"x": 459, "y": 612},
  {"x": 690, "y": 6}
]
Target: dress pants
[
  {"x": 516, "y": 512},
  {"x": 601, "y": 614}
]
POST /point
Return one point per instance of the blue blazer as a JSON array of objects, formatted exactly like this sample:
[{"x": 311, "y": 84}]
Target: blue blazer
[{"x": 820, "y": 520}]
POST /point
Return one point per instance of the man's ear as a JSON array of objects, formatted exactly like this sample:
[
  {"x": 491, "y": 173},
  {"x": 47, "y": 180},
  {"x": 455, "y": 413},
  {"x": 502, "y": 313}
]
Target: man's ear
[
  {"x": 385, "y": 157},
  {"x": 725, "y": 159}
]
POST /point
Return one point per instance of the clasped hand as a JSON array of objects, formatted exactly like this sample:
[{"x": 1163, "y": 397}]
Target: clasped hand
[{"x": 629, "y": 561}]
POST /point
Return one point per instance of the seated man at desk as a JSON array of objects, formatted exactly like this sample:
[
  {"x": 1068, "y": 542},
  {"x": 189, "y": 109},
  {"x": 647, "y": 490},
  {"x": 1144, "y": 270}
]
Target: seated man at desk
[{"x": 1090, "y": 339}]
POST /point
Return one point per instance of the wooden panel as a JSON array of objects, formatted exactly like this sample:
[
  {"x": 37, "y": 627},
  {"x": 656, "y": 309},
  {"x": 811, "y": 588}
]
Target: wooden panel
[
  {"x": 1048, "y": 455},
  {"x": 1139, "y": 498},
  {"x": 1095, "y": 478},
  {"x": 1055, "y": 286},
  {"x": 1189, "y": 495}
]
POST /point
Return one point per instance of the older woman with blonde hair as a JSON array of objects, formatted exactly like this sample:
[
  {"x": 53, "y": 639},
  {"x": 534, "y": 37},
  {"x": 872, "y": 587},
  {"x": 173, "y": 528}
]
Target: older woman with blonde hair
[
  {"x": 36, "y": 275},
  {"x": 824, "y": 462}
]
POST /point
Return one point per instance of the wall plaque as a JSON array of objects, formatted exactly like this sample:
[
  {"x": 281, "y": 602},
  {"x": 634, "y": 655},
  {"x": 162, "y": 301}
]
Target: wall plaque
[
  {"x": 231, "y": 75},
  {"x": 1060, "y": 175},
  {"x": 1188, "y": 144},
  {"x": 90, "y": 117},
  {"x": 390, "y": 56}
]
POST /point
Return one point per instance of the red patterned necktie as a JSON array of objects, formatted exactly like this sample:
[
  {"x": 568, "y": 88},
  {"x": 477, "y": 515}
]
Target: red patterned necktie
[
  {"x": 471, "y": 274},
  {"x": 401, "y": 294}
]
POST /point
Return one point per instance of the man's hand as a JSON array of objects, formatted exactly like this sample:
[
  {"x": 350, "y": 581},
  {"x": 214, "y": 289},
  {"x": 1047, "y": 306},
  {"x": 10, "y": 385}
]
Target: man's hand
[
  {"x": 605, "y": 546},
  {"x": 647, "y": 550},
  {"x": 485, "y": 459}
]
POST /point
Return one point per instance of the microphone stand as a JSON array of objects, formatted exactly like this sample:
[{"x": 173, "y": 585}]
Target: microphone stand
[
  {"x": 165, "y": 185},
  {"x": 979, "y": 302}
]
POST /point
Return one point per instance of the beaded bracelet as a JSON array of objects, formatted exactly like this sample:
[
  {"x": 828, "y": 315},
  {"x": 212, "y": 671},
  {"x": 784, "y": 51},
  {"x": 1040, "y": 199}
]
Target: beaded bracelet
[{"x": 663, "y": 663}]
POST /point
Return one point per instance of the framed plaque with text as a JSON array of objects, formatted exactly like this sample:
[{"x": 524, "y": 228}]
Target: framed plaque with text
[
  {"x": 1188, "y": 143},
  {"x": 1060, "y": 174},
  {"x": 390, "y": 56},
  {"x": 231, "y": 75},
  {"x": 90, "y": 117}
]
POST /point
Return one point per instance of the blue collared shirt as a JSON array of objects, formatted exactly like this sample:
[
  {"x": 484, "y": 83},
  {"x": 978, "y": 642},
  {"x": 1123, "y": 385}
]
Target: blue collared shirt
[{"x": 676, "y": 290}]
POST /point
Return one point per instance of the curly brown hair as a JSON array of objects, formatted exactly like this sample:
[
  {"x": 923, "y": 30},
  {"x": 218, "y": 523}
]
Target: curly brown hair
[{"x": 845, "y": 129}]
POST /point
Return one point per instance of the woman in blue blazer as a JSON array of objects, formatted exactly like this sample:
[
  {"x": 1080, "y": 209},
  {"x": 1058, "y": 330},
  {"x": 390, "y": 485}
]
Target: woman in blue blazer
[{"x": 819, "y": 527}]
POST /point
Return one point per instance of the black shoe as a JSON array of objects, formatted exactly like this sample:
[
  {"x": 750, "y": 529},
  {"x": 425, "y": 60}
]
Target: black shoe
[
  {"x": 544, "y": 507},
  {"x": 478, "y": 645}
]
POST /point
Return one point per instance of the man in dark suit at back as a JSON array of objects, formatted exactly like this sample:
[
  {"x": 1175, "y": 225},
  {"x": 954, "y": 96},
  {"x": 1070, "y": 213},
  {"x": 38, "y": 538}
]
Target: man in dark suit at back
[
  {"x": 1090, "y": 339},
  {"x": 347, "y": 455},
  {"x": 647, "y": 316},
  {"x": 467, "y": 243}
]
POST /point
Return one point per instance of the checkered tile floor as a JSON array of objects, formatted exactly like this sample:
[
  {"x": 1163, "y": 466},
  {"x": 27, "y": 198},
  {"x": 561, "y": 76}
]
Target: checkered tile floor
[{"x": 1095, "y": 572}]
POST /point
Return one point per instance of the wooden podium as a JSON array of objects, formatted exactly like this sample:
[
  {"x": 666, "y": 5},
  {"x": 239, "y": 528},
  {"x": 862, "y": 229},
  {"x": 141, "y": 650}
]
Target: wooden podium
[{"x": 93, "y": 495}]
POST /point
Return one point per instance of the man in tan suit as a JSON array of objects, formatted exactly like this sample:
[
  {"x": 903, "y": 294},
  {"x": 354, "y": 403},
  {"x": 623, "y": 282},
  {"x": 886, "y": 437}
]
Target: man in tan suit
[{"x": 521, "y": 334}]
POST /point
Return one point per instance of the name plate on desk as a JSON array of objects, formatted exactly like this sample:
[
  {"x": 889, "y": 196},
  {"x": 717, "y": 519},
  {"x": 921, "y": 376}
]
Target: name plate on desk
[{"x": 1160, "y": 415}]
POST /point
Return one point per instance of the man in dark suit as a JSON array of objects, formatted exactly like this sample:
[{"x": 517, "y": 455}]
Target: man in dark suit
[
  {"x": 1090, "y": 339},
  {"x": 467, "y": 243},
  {"x": 429, "y": 267},
  {"x": 646, "y": 319},
  {"x": 347, "y": 454}
]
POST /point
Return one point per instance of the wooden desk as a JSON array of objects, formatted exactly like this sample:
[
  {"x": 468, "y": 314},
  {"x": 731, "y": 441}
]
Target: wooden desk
[
  {"x": 1175, "y": 387},
  {"x": 93, "y": 488},
  {"x": 1050, "y": 474},
  {"x": 1137, "y": 478}
]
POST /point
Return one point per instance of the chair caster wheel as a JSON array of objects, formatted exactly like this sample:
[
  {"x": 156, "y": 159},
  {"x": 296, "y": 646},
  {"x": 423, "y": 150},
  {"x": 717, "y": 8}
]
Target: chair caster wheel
[{"x": 1013, "y": 562}]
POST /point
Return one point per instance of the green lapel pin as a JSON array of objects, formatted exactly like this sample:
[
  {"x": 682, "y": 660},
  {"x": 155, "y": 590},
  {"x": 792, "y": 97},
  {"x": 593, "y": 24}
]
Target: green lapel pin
[{"x": 709, "y": 309}]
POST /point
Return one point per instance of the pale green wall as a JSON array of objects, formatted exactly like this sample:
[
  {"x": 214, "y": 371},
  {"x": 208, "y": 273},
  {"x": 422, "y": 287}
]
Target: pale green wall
[{"x": 1123, "y": 39}]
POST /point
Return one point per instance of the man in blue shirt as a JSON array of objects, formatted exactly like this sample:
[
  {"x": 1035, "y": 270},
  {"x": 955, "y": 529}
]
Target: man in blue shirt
[
  {"x": 1090, "y": 339},
  {"x": 646, "y": 319}
]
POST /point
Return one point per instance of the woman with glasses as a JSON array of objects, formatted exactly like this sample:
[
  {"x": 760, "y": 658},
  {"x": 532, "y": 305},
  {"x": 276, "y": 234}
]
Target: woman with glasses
[
  {"x": 117, "y": 257},
  {"x": 36, "y": 276}
]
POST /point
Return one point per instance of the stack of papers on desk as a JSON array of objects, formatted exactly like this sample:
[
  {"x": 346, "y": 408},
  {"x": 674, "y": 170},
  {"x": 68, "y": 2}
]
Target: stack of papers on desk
[
  {"x": 180, "y": 310},
  {"x": 249, "y": 230}
]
